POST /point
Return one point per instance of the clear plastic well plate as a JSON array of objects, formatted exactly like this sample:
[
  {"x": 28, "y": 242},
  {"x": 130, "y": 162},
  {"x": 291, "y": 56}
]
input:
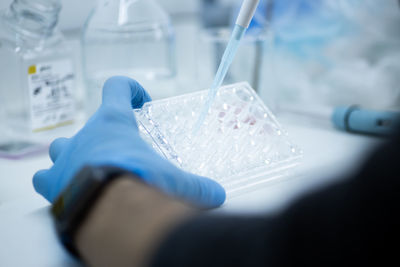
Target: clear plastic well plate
[{"x": 241, "y": 145}]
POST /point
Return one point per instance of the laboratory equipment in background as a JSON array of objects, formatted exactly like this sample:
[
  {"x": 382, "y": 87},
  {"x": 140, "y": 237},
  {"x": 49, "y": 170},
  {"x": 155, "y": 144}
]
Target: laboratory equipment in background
[
  {"x": 129, "y": 38},
  {"x": 352, "y": 119},
  {"x": 249, "y": 62},
  {"x": 215, "y": 13},
  {"x": 363, "y": 121},
  {"x": 241, "y": 144},
  {"x": 37, "y": 77},
  {"x": 329, "y": 53}
]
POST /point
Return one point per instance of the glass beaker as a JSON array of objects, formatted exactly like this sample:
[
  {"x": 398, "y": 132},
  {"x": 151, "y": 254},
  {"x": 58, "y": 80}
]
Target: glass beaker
[
  {"x": 249, "y": 62},
  {"x": 130, "y": 38}
]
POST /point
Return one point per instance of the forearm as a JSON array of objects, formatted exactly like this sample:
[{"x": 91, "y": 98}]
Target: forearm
[
  {"x": 350, "y": 222},
  {"x": 132, "y": 224},
  {"x": 127, "y": 224}
]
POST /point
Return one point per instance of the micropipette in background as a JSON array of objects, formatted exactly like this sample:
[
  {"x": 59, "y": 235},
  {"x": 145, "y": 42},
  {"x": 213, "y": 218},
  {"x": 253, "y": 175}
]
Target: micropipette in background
[
  {"x": 352, "y": 119},
  {"x": 242, "y": 23}
]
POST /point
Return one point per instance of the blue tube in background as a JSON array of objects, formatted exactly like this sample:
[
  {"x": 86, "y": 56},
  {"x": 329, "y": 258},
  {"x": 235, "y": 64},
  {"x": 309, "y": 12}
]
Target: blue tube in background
[{"x": 357, "y": 120}]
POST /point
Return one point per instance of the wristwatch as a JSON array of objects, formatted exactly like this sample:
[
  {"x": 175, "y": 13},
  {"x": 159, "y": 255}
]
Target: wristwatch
[{"x": 73, "y": 205}]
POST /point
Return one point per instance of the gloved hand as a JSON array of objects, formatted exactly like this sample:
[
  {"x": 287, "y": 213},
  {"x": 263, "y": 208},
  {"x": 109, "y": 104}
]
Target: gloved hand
[{"x": 111, "y": 137}]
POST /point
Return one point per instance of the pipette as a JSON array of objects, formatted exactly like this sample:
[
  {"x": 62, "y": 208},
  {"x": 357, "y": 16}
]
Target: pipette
[
  {"x": 352, "y": 119},
  {"x": 242, "y": 23}
]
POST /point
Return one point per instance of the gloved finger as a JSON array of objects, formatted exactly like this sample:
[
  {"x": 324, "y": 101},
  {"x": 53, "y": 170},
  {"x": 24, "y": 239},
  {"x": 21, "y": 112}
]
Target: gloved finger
[
  {"x": 57, "y": 146},
  {"x": 123, "y": 92},
  {"x": 41, "y": 183},
  {"x": 201, "y": 191}
]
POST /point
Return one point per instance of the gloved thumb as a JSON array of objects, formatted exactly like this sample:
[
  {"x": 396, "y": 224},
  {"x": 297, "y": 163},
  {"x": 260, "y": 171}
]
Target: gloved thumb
[
  {"x": 124, "y": 93},
  {"x": 56, "y": 147}
]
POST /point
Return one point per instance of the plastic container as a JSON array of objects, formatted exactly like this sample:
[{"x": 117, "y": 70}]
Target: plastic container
[
  {"x": 129, "y": 38},
  {"x": 241, "y": 144},
  {"x": 37, "y": 76}
]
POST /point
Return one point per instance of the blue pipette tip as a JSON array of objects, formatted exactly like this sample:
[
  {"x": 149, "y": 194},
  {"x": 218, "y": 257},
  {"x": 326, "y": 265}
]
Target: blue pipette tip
[
  {"x": 229, "y": 54},
  {"x": 244, "y": 18}
]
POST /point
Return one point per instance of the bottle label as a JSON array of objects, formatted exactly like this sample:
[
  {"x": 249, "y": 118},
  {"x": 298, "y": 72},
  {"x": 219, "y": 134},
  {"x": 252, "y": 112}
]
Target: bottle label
[{"x": 52, "y": 102}]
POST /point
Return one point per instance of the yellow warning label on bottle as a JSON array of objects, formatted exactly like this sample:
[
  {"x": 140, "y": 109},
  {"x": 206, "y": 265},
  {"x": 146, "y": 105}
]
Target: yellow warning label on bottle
[{"x": 32, "y": 69}]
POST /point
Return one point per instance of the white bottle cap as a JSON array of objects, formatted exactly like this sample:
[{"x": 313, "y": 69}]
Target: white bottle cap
[{"x": 247, "y": 12}]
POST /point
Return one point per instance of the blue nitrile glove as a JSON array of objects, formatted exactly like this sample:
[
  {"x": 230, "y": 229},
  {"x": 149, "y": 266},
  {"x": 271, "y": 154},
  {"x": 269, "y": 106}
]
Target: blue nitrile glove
[{"x": 111, "y": 137}]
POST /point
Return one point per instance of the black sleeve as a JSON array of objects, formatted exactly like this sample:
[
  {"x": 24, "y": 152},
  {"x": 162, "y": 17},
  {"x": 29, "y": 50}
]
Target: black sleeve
[{"x": 351, "y": 223}]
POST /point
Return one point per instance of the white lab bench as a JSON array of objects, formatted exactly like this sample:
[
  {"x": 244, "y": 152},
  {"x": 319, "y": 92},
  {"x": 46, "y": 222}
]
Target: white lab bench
[{"x": 27, "y": 237}]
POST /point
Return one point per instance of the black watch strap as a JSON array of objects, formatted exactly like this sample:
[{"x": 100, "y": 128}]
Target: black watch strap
[{"x": 75, "y": 202}]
